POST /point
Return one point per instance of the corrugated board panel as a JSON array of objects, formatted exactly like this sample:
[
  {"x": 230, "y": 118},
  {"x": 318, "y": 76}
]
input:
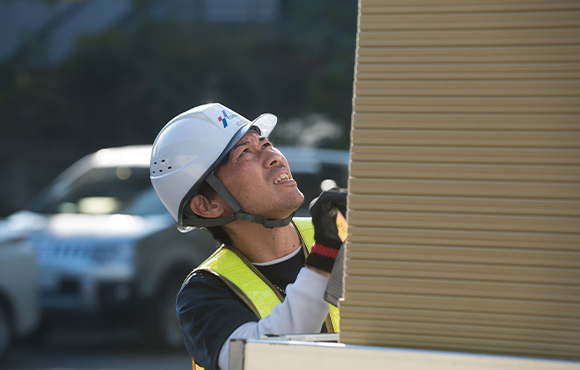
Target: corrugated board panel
[{"x": 464, "y": 203}]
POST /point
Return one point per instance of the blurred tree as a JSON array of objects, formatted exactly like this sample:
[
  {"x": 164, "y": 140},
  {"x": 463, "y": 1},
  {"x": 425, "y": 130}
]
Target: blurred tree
[{"x": 121, "y": 86}]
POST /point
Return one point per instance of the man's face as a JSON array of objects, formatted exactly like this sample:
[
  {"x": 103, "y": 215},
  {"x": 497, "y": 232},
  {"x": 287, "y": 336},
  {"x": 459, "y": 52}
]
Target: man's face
[{"x": 259, "y": 177}]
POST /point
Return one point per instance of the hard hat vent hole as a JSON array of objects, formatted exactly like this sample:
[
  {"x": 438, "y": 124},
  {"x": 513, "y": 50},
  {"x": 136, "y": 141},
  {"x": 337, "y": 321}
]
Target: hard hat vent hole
[{"x": 169, "y": 167}]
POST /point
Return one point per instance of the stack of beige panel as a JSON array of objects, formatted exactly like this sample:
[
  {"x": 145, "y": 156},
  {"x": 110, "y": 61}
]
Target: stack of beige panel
[{"x": 464, "y": 205}]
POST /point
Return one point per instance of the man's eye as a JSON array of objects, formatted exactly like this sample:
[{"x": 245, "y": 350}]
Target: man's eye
[{"x": 266, "y": 145}]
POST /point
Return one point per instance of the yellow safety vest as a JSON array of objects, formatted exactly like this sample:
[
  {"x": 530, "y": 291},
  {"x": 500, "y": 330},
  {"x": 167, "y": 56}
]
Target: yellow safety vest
[{"x": 255, "y": 290}]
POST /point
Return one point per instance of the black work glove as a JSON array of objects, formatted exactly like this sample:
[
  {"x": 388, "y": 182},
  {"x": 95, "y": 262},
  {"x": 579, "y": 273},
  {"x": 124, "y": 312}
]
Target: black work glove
[{"x": 323, "y": 212}]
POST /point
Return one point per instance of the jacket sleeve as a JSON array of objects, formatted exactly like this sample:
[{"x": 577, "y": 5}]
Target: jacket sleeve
[
  {"x": 208, "y": 312},
  {"x": 302, "y": 312}
]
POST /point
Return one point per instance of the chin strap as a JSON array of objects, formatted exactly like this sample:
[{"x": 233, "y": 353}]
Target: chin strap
[{"x": 238, "y": 214}]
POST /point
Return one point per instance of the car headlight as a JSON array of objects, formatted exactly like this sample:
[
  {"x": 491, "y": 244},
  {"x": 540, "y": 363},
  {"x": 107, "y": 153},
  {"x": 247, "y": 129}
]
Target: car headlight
[{"x": 113, "y": 253}]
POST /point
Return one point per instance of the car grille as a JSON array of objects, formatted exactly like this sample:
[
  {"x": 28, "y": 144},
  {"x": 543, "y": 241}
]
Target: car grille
[{"x": 49, "y": 250}]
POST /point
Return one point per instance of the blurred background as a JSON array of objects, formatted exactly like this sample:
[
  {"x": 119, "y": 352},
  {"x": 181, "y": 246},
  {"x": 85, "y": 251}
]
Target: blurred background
[{"x": 79, "y": 76}]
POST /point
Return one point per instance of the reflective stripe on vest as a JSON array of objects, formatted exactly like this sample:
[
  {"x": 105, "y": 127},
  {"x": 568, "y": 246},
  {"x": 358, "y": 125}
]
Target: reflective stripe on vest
[{"x": 249, "y": 283}]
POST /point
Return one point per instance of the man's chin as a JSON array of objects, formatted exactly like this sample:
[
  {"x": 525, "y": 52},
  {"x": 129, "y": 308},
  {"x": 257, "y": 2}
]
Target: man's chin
[
  {"x": 289, "y": 209},
  {"x": 298, "y": 203}
]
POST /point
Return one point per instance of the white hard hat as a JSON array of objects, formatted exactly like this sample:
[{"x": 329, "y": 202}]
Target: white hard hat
[{"x": 189, "y": 148}]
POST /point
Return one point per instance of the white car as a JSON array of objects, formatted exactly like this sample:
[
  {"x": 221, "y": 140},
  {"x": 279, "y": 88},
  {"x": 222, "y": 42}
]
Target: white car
[
  {"x": 19, "y": 309},
  {"x": 106, "y": 246}
]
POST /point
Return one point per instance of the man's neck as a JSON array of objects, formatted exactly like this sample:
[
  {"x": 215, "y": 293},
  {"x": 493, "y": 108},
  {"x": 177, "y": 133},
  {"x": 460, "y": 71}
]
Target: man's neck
[{"x": 260, "y": 244}]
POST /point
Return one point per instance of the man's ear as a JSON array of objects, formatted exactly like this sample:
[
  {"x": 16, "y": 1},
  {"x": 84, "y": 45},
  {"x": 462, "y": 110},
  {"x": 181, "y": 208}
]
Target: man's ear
[{"x": 204, "y": 207}]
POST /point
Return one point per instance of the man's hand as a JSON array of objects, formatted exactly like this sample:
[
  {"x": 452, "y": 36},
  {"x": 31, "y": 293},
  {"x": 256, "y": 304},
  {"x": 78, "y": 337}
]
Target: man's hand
[{"x": 323, "y": 211}]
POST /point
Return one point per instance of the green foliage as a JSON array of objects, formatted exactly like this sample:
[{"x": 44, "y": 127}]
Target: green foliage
[
  {"x": 124, "y": 84},
  {"x": 121, "y": 86}
]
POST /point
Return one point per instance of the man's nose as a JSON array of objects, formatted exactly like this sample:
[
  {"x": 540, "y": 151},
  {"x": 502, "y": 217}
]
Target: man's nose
[{"x": 273, "y": 157}]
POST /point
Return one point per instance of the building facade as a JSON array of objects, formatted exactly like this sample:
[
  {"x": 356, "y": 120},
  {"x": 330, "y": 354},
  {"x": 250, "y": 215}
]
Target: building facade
[{"x": 464, "y": 204}]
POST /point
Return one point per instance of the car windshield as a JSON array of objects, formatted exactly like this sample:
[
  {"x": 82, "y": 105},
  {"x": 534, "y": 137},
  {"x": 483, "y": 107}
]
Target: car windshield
[
  {"x": 128, "y": 190},
  {"x": 311, "y": 184},
  {"x": 108, "y": 190}
]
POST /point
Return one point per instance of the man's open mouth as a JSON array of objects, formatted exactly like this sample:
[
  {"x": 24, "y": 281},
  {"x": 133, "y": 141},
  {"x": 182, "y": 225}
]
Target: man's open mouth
[{"x": 282, "y": 177}]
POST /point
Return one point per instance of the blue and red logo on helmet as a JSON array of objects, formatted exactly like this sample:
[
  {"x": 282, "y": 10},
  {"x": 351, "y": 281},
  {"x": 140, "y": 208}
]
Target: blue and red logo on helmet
[{"x": 226, "y": 117}]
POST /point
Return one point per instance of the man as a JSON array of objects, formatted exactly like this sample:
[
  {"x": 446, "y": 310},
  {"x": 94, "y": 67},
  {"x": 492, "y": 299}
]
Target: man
[{"x": 215, "y": 169}]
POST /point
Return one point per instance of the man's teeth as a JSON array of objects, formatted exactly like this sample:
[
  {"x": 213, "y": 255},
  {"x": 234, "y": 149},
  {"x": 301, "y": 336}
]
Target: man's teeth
[{"x": 282, "y": 177}]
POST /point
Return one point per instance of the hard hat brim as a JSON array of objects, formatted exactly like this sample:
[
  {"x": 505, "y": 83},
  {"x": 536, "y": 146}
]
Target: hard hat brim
[{"x": 266, "y": 123}]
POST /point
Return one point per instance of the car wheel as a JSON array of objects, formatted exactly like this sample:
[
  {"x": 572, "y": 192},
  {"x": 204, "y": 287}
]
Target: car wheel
[
  {"x": 166, "y": 329},
  {"x": 171, "y": 333},
  {"x": 6, "y": 333}
]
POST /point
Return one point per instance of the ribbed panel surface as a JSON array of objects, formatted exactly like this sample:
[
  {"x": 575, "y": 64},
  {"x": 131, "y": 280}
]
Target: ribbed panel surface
[{"x": 464, "y": 205}]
